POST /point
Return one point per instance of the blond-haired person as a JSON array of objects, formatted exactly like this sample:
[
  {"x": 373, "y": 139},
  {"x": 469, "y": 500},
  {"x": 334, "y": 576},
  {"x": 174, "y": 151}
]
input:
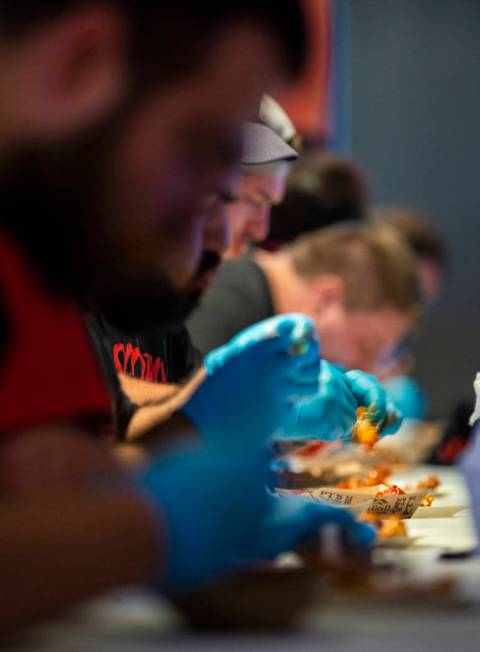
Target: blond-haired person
[{"x": 356, "y": 282}]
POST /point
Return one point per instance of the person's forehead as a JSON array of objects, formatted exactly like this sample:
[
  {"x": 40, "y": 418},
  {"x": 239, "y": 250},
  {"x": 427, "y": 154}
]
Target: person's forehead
[
  {"x": 241, "y": 70},
  {"x": 226, "y": 83},
  {"x": 267, "y": 181},
  {"x": 190, "y": 118}
]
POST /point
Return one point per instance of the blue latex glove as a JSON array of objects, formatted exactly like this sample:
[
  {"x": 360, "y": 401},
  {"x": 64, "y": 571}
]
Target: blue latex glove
[
  {"x": 292, "y": 520},
  {"x": 368, "y": 392},
  {"x": 408, "y": 396},
  {"x": 254, "y": 379},
  {"x": 209, "y": 506},
  {"x": 331, "y": 414}
]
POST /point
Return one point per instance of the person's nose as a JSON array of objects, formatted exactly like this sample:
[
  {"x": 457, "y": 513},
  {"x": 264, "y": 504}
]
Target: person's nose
[
  {"x": 217, "y": 229},
  {"x": 258, "y": 226}
]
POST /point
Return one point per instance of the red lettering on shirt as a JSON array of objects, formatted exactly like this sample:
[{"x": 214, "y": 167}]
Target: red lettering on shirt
[{"x": 129, "y": 359}]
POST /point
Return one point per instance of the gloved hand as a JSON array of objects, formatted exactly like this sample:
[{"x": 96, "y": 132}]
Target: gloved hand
[
  {"x": 253, "y": 380},
  {"x": 208, "y": 504},
  {"x": 331, "y": 414},
  {"x": 369, "y": 393},
  {"x": 292, "y": 520},
  {"x": 407, "y": 394}
]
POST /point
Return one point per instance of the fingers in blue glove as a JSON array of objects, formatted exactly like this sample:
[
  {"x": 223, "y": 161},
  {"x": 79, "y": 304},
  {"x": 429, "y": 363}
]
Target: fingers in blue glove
[
  {"x": 252, "y": 381},
  {"x": 368, "y": 393},
  {"x": 372, "y": 395},
  {"x": 298, "y": 327},
  {"x": 293, "y": 520},
  {"x": 330, "y": 415},
  {"x": 302, "y": 354},
  {"x": 206, "y": 503},
  {"x": 294, "y": 333},
  {"x": 393, "y": 420},
  {"x": 320, "y": 515},
  {"x": 406, "y": 393},
  {"x": 304, "y": 373}
]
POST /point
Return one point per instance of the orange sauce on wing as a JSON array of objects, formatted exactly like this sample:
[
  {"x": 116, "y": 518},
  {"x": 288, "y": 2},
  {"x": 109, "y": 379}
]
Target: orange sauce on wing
[{"x": 365, "y": 432}]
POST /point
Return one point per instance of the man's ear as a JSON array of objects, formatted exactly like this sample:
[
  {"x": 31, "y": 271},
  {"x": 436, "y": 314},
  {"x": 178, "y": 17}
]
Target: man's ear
[
  {"x": 73, "y": 71},
  {"x": 327, "y": 290}
]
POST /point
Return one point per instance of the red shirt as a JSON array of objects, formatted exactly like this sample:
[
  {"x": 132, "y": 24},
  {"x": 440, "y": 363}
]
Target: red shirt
[{"x": 48, "y": 370}]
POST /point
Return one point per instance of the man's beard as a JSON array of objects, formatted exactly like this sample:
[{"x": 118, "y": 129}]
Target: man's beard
[
  {"x": 159, "y": 305},
  {"x": 52, "y": 204},
  {"x": 154, "y": 308}
]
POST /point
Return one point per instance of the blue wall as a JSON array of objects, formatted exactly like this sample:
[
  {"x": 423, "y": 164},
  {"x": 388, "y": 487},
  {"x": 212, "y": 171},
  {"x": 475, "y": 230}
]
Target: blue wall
[{"x": 415, "y": 127}]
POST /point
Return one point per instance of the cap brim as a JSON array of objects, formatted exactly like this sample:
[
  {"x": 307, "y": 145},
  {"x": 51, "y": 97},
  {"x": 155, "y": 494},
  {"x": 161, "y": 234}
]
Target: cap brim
[{"x": 261, "y": 146}]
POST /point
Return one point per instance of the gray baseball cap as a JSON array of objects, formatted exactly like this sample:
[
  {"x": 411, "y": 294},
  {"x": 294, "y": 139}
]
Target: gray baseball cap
[{"x": 262, "y": 145}]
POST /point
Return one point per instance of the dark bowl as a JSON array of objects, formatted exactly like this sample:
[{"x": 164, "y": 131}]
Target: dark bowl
[{"x": 266, "y": 599}]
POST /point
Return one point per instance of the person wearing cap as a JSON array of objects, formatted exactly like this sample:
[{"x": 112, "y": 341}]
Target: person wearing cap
[{"x": 268, "y": 155}]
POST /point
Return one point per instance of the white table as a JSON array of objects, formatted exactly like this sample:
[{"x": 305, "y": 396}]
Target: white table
[{"x": 136, "y": 622}]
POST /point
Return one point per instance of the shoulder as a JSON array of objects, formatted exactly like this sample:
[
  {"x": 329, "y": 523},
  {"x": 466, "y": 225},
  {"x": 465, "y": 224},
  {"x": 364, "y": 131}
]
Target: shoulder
[
  {"x": 238, "y": 282},
  {"x": 238, "y": 297},
  {"x": 49, "y": 371},
  {"x": 238, "y": 273}
]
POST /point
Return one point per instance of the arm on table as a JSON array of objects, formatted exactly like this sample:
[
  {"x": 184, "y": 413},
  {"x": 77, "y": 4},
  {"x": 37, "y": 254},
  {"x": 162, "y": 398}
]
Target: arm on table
[
  {"x": 142, "y": 392},
  {"x": 152, "y": 425},
  {"x": 153, "y": 433}
]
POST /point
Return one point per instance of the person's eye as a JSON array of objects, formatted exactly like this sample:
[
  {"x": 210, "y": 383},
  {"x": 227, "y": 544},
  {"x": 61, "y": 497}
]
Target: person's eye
[
  {"x": 228, "y": 197},
  {"x": 255, "y": 203},
  {"x": 209, "y": 201}
]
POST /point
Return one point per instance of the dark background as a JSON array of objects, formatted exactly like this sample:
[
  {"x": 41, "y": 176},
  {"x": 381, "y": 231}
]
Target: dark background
[{"x": 414, "y": 110}]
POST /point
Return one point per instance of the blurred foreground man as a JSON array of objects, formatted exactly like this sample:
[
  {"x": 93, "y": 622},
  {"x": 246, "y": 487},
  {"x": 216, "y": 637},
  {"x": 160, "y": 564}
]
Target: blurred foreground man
[
  {"x": 90, "y": 143},
  {"x": 111, "y": 135}
]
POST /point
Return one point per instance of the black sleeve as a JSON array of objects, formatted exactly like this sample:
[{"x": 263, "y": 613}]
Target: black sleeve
[
  {"x": 238, "y": 298},
  {"x": 122, "y": 407},
  {"x": 181, "y": 356}
]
